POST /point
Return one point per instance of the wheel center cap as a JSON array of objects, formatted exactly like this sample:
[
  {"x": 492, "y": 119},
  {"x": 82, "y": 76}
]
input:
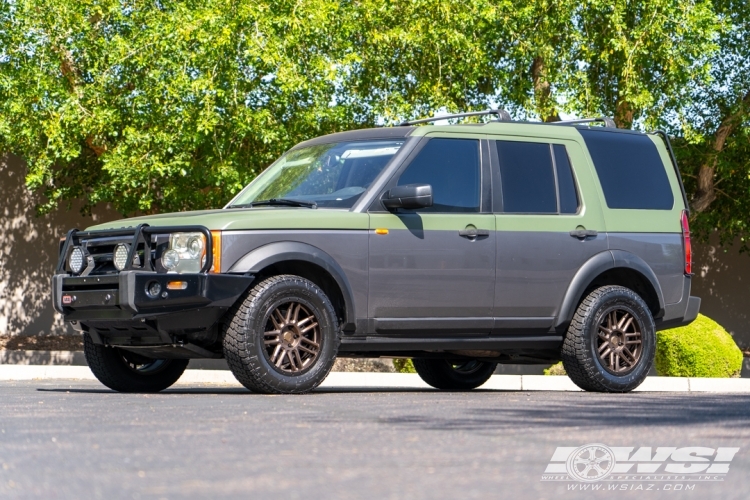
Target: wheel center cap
[{"x": 288, "y": 337}]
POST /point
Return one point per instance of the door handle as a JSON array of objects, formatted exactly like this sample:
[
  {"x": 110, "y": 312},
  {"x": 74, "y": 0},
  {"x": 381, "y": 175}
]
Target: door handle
[
  {"x": 472, "y": 232},
  {"x": 583, "y": 233}
]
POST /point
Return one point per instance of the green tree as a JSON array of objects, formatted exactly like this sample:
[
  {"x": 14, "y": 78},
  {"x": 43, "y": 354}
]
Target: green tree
[
  {"x": 714, "y": 133},
  {"x": 158, "y": 106},
  {"x": 174, "y": 105}
]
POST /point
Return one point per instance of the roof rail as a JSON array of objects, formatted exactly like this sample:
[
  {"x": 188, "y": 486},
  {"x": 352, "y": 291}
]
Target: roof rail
[
  {"x": 501, "y": 114},
  {"x": 608, "y": 122}
]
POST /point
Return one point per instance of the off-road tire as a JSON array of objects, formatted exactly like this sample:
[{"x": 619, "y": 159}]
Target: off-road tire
[
  {"x": 442, "y": 374},
  {"x": 579, "y": 350},
  {"x": 109, "y": 366},
  {"x": 244, "y": 346}
]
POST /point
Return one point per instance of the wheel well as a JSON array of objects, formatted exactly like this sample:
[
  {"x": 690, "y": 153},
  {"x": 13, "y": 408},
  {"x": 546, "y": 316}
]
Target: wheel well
[
  {"x": 629, "y": 278},
  {"x": 314, "y": 273}
]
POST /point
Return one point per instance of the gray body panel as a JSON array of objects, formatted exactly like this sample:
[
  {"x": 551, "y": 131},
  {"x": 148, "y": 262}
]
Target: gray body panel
[
  {"x": 664, "y": 255},
  {"x": 534, "y": 270},
  {"x": 428, "y": 273},
  {"x": 347, "y": 248}
]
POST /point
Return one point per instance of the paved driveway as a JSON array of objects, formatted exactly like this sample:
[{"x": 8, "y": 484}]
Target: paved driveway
[{"x": 63, "y": 439}]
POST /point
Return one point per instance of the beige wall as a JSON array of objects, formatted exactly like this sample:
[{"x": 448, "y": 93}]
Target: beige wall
[
  {"x": 722, "y": 281},
  {"x": 28, "y": 254}
]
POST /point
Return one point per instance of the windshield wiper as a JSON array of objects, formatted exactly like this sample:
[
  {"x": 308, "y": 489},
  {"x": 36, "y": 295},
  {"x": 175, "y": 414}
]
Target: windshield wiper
[{"x": 285, "y": 202}]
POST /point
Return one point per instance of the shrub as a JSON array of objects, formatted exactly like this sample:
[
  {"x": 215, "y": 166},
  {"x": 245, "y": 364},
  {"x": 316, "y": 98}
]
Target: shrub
[
  {"x": 556, "y": 369},
  {"x": 404, "y": 365},
  {"x": 701, "y": 349}
]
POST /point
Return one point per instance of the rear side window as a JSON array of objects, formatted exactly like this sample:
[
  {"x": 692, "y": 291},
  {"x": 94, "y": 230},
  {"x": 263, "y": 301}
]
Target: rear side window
[
  {"x": 566, "y": 184},
  {"x": 536, "y": 178},
  {"x": 452, "y": 168},
  {"x": 630, "y": 170}
]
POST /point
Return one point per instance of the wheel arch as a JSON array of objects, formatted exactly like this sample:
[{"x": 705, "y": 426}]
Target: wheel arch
[
  {"x": 306, "y": 261},
  {"x": 612, "y": 267}
]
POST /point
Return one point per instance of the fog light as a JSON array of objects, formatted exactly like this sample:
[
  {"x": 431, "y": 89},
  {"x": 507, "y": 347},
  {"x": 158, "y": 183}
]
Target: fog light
[
  {"x": 120, "y": 258},
  {"x": 170, "y": 259},
  {"x": 177, "y": 285},
  {"x": 153, "y": 289},
  {"x": 75, "y": 261}
]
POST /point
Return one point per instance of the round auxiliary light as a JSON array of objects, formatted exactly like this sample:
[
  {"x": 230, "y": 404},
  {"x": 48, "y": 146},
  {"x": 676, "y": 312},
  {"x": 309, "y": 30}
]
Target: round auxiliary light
[
  {"x": 75, "y": 261},
  {"x": 170, "y": 259},
  {"x": 120, "y": 258},
  {"x": 153, "y": 289}
]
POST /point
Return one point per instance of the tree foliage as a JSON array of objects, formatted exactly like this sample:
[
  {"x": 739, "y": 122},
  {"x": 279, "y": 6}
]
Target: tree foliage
[{"x": 175, "y": 104}]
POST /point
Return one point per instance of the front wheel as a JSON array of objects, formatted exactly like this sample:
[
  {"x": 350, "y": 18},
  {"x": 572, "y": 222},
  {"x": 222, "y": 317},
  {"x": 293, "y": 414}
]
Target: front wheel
[
  {"x": 454, "y": 376},
  {"x": 611, "y": 342},
  {"x": 125, "y": 371},
  {"x": 283, "y": 337}
]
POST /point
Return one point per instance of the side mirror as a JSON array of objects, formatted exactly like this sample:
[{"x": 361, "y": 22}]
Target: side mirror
[{"x": 408, "y": 196}]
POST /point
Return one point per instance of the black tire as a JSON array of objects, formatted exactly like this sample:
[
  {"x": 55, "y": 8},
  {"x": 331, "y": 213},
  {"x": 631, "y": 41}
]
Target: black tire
[
  {"x": 124, "y": 371},
  {"x": 590, "y": 346},
  {"x": 271, "y": 369},
  {"x": 452, "y": 376}
]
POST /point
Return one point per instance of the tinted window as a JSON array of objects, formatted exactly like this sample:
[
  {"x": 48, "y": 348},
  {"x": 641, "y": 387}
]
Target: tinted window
[
  {"x": 528, "y": 181},
  {"x": 630, "y": 170},
  {"x": 451, "y": 167},
  {"x": 565, "y": 182}
]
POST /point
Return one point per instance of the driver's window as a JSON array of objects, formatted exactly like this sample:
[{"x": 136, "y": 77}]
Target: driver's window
[{"x": 452, "y": 168}]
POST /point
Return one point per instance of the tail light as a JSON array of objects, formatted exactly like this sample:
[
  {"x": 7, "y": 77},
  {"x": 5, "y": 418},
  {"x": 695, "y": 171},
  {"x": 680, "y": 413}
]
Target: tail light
[{"x": 686, "y": 243}]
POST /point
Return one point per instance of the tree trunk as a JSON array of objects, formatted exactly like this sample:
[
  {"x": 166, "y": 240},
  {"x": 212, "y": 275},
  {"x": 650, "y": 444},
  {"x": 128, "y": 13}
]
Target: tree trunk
[
  {"x": 624, "y": 114},
  {"x": 706, "y": 192},
  {"x": 542, "y": 91}
]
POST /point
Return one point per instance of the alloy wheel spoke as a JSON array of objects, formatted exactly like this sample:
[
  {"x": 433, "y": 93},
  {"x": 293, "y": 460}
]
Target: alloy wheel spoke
[
  {"x": 623, "y": 321},
  {"x": 304, "y": 321},
  {"x": 309, "y": 327}
]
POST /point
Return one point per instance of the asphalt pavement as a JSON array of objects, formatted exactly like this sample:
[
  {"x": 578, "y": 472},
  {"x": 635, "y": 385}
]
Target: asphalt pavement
[{"x": 76, "y": 439}]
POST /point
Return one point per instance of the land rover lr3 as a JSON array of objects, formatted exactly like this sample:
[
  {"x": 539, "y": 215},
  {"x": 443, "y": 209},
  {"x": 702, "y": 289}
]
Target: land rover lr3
[{"x": 458, "y": 246}]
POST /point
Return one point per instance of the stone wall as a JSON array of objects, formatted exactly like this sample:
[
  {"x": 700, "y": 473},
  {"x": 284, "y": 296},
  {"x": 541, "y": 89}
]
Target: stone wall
[{"x": 28, "y": 254}]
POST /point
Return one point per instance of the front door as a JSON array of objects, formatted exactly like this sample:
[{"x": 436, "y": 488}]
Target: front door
[
  {"x": 432, "y": 270},
  {"x": 549, "y": 222}
]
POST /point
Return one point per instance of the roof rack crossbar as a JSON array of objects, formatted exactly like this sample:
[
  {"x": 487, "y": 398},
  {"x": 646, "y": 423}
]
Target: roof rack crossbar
[
  {"x": 501, "y": 114},
  {"x": 608, "y": 122}
]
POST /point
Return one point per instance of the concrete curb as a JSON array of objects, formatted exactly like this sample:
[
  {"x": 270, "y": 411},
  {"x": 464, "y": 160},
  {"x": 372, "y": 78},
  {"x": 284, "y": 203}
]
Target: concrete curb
[{"x": 392, "y": 381}]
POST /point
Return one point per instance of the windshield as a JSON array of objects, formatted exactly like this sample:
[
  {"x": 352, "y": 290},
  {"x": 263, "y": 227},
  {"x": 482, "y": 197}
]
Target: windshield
[{"x": 330, "y": 175}]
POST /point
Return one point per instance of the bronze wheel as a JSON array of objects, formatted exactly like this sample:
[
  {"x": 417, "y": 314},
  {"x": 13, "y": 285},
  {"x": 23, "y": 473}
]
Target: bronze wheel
[
  {"x": 619, "y": 341},
  {"x": 283, "y": 336},
  {"x": 611, "y": 341},
  {"x": 292, "y": 337}
]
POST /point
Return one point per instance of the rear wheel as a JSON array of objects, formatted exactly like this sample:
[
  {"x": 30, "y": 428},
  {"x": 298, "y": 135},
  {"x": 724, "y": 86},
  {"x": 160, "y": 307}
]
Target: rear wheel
[
  {"x": 611, "y": 342},
  {"x": 125, "y": 371},
  {"x": 454, "y": 376}
]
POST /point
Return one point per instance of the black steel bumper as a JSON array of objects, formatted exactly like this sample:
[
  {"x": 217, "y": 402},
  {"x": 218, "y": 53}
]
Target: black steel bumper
[{"x": 123, "y": 298}]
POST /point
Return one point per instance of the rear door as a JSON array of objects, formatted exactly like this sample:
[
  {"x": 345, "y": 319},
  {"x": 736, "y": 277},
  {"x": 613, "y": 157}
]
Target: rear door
[
  {"x": 549, "y": 222},
  {"x": 432, "y": 270}
]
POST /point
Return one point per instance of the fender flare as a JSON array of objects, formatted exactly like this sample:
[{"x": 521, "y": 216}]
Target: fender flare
[
  {"x": 596, "y": 265},
  {"x": 273, "y": 253}
]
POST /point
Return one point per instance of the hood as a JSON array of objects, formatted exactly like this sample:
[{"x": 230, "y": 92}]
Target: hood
[{"x": 249, "y": 218}]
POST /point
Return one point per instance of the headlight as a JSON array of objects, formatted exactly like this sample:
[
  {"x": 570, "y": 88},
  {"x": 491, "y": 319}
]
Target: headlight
[
  {"x": 75, "y": 261},
  {"x": 120, "y": 258},
  {"x": 185, "y": 253}
]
